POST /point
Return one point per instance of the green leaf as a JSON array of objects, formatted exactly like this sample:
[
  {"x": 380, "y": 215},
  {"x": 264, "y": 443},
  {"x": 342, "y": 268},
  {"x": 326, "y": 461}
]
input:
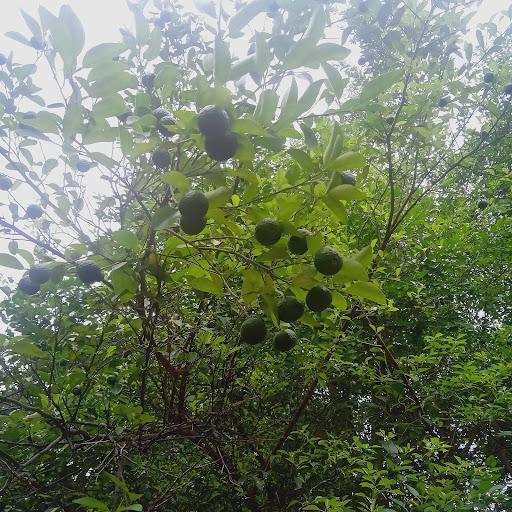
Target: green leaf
[
  {"x": 112, "y": 105},
  {"x": 112, "y": 83},
  {"x": 92, "y": 503},
  {"x": 246, "y": 14},
  {"x": 248, "y": 126},
  {"x": 370, "y": 291},
  {"x": 222, "y": 61},
  {"x": 380, "y": 84},
  {"x": 164, "y": 217},
  {"x": 252, "y": 285},
  {"x": 9, "y": 261},
  {"x": 241, "y": 67},
  {"x": 336, "y": 207},
  {"x": 334, "y": 145},
  {"x": 349, "y": 160},
  {"x": 33, "y": 25},
  {"x": 266, "y": 107},
  {"x": 347, "y": 193},
  {"x": 135, "y": 506},
  {"x": 309, "y": 136},
  {"x": 22, "y": 346},
  {"x": 126, "y": 239},
  {"x": 302, "y": 158},
  {"x": 206, "y": 285},
  {"x": 155, "y": 45},
  {"x": 76, "y": 31},
  {"x": 177, "y": 180},
  {"x": 316, "y": 26},
  {"x": 124, "y": 281},
  {"x": 336, "y": 83},
  {"x": 352, "y": 270},
  {"x": 263, "y": 55},
  {"x": 364, "y": 256},
  {"x": 102, "y": 54},
  {"x": 206, "y": 6},
  {"x": 288, "y": 105}
]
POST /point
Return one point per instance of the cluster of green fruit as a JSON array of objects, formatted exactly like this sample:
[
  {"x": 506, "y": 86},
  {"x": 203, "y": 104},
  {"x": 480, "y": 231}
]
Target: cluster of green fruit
[
  {"x": 219, "y": 142},
  {"x": 327, "y": 261},
  {"x": 87, "y": 271}
]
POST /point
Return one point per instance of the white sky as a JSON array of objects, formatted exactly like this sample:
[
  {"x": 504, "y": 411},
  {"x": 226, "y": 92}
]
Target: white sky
[{"x": 101, "y": 20}]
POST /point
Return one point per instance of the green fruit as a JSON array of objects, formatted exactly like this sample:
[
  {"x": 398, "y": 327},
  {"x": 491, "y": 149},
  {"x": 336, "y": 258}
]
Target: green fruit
[
  {"x": 221, "y": 147},
  {"x": 39, "y": 274},
  {"x": 285, "y": 340},
  {"x": 319, "y": 298},
  {"x": 88, "y": 272},
  {"x": 508, "y": 89},
  {"x": 161, "y": 112},
  {"x": 163, "y": 125},
  {"x": 111, "y": 380},
  {"x": 27, "y": 286},
  {"x": 193, "y": 203},
  {"x": 443, "y": 102},
  {"x": 192, "y": 225},
  {"x": 34, "y": 211},
  {"x": 213, "y": 121},
  {"x": 290, "y": 309},
  {"x": 5, "y": 183},
  {"x": 390, "y": 120},
  {"x": 83, "y": 165},
  {"x": 348, "y": 178},
  {"x": 268, "y": 231},
  {"x": 489, "y": 78},
  {"x": 77, "y": 390},
  {"x": 161, "y": 159},
  {"x": 328, "y": 261},
  {"x": 63, "y": 362},
  {"x": 482, "y": 204},
  {"x": 148, "y": 80},
  {"x": 297, "y": 244},
  {"x": 253, "y": 330},
  {"x": 124, "y": 116},
  {"x": 484, "y": 134}
]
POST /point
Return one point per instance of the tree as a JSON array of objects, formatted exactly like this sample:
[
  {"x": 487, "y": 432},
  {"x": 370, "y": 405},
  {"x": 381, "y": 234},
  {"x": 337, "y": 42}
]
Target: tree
[{"x": 165, "y": 186}]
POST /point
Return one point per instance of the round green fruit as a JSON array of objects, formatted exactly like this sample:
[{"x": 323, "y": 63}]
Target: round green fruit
[
  {"x": 63, "y": 362},
  {"x": 148, "y": 80},
  {"x": 192, "y": 225},
  {"x": 268, "y": 231},
  {"x": 482, "y": 204},
  {"x": 213, "y": 121},
  {"x": 390, "y": 120},
  {"x": 285, "y": 340},
  {"x": 161, "y": 159},
  {"x": 193, "y": 203},
  {"x": 39, "y": 274},
  {"x": 489, "y": 78},
  {"x": 27, "y": 286},
  {"x": 221, "y": 147},
  {"x": 290, "y": 309},
  {"x": 328, "y": 261},
  {"x": 297, "y": 244},
  {"x": 253, "y": 330},
  {"x": 319, "y": 298},
  {"x": 163, "y": 126},
  {"x": 443, "y": 102},
  {"x": 111, "y": 380},
  {"x": 161, "y": 112},
  {"x": 348, "y": 178},
  {"x": 5, "y": 183},
  {"x": 88, "y": 272},
  {"x": 34, "y": 211},
  {"x": 77, "y": 390}
]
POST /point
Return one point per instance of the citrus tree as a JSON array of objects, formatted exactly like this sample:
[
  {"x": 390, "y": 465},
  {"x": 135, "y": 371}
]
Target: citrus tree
[{"x": 259, "y": 260}]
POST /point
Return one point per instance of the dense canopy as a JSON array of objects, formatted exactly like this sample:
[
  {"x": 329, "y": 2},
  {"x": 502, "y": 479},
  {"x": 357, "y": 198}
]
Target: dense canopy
[{"x": 258, "y": 257}]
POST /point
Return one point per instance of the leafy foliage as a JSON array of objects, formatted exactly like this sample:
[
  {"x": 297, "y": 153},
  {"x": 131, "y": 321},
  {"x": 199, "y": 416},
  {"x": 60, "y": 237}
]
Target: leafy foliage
[{"x": 168, "y": 181}]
